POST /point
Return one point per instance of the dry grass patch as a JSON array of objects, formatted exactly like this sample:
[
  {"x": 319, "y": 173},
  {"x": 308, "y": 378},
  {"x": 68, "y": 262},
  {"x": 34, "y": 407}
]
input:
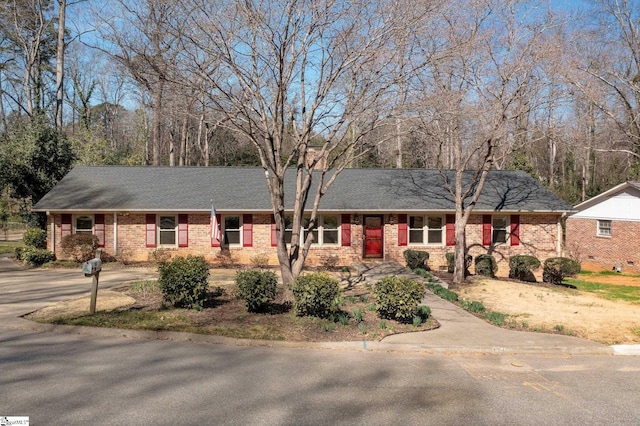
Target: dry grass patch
[{"x": 543, "y": 307}]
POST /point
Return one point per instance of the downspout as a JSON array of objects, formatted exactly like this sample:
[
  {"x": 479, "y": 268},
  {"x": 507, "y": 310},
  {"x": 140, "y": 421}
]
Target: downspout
[
  {"x": 559, "y": 245},
  {"x": 115, "y": 233},
  {"x": 53, "y": 232}
]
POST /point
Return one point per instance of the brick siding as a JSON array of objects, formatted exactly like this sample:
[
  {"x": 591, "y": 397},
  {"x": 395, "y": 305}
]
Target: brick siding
[
  {"x": 622, "y": 248},
  {"x": 538, "y": 237}
]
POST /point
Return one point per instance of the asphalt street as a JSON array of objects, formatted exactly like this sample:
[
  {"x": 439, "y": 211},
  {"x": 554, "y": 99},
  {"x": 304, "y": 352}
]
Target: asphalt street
[
  {"x": 60, "y": 379},
  {"x": 66, "y": 377}
]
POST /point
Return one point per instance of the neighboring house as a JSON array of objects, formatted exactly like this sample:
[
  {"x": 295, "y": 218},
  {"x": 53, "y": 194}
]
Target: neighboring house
[
  {"x": 604, "y": 233},
  {"x": 366, "y": 214}
]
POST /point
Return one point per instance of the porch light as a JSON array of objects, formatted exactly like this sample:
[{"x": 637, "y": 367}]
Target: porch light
[
  {"x": 356, "y": 219},
  {"x": 392, "y": 219}
]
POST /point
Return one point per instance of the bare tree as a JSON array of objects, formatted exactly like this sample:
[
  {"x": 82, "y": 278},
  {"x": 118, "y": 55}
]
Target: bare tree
[
  {"x": 476, "y": 94},
  {"x": 292, "y": 73},
  {"x": 141, "y": 40},
  {"x": 62, "y": 10},
  {"x": 614, "y": 63}
]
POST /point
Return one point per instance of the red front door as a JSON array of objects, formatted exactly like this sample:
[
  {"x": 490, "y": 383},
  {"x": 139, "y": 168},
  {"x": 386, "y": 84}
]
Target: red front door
[{"x": 373, "y": 236}]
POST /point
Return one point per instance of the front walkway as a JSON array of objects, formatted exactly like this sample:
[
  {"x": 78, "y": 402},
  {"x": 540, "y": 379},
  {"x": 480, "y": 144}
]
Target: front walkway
[
  {"x": 461, "y": 331},
  {"x": 23, "y": 291}
]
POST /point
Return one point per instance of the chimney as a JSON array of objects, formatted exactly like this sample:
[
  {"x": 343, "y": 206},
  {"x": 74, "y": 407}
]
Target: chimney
[{"x": 313, "y": 153}]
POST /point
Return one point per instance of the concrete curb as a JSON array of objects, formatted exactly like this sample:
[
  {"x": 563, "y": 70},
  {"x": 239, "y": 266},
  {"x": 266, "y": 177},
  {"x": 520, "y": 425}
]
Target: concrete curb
[
  {"x": 364, "y": 346},
  {"x": 633, "y": 350}
]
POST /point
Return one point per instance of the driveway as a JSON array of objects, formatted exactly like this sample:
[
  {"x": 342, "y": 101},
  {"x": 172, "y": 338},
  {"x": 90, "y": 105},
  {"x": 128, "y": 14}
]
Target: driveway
[
  {"x": 65, "y": 378},
  {"x": 24, "y": 291}
]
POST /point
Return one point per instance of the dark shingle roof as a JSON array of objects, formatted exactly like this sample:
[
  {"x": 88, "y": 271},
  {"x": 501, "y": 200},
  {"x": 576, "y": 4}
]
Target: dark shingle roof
[{"x": 126, "y": 188}]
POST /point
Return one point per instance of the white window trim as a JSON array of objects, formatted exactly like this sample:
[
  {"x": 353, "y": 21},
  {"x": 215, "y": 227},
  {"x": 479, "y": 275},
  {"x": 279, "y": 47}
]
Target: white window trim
[
  {"x": 320, "y": 230},
  {"x": 507, "y": 229},
  {"x": 599, "y": 228},
  {"x": 75, "y": 223},
  {"x": 159, "y": 230},
  {"x": 425, "y": 230},
  {"x": 240, "y": 230}
]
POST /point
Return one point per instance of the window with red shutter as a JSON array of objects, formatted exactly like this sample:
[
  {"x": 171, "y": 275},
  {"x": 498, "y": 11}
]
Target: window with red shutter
[
  {"x": 451, "y": 229},
  {"x": 99, "y": 228},
  {"x": 402, "y": 230},
  {"x": 151, "y": 230},
  {"x": 515, "y": 230},
  {"x": 247, "y": 230},
  {"x": 66, "y": 225},
  {"x": 486, "y": 230},
  {"x": 183, "y": 230},
  {"x": 345, "y": 227}
]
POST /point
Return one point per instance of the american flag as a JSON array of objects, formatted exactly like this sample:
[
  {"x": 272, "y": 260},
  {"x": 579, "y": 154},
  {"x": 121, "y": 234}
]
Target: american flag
[{"x": 216, "y": 234}]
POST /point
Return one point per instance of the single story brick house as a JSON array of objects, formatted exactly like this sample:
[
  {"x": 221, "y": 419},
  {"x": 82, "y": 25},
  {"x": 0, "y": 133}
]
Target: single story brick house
[
  {"x": 368, "y": 214},
  {"x": 604, "y": 232}
]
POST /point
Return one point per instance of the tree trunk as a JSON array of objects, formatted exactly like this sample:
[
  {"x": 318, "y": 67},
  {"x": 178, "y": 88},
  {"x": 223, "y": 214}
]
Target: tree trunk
[
  {"x": 184, "y": 137},
  {"x": 157, "y": 115},
  {"x": 62, "y": 5}
]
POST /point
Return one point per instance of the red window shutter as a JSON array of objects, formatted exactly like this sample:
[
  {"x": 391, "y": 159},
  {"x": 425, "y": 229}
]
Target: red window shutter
[
  {"x": 183, "y": 230},
  {"x": 247, "y": 230},
  {"x": 66, "y": 225},
  {"x": 99, "y": 228},
  {"x": 274, "y": 232},
  {"x": 346, "y": 230},
  {"x": 402, "y": 230},
  {"x": 214, "y": 242},
  {"x": 151, "y": 230},
  {"x": 486, "y": 230},
  {"x": 451, "y": 229},
  {"x": 515, "y": 229}
]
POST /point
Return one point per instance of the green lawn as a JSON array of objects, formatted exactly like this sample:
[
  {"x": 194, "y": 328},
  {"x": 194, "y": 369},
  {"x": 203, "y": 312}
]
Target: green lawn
[
  {"x": 9, "y": 246},
  {"x": 607, "y": 291}
]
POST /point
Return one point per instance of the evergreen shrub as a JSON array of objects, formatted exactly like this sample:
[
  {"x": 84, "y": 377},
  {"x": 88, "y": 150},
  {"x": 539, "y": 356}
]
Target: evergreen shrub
[
  {"x": 451, "y": 262},
  {"x": 486, "y": 265},
  {"x": 557, "y": 269},
  {"x": 416, "y": 259},
  {"x": 36, "y": 238},
  {"x": 314, "y": 295},
  {"x": 183, "y": 281},
  {"x": 36, "y": 257},
  {"x": 521, "y": 267},
  {"x": 398, "y": 298},
  {"x": 256, "y": 288}
]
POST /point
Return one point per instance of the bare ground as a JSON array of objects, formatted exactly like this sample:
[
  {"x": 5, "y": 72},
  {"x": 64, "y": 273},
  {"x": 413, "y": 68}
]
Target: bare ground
[
  {"x": 544, "y": 307},
  {"x": 530, "y": 306},
  {"x": 224, "y": 314}
]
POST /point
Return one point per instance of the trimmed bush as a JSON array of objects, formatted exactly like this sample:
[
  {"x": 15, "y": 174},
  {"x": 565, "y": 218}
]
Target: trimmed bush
[
  {"x": 416, "y": 259},
  {"x": 183, "y": 281},
  {"x": 521, "y": 267},
  {"x": 398, "y": 298},
  {"x": 451, "y": 262},
  {"x": 486, "y": 265},
  {"x": 36, "y": 257},
  {"x": 36, "y": 238},
  {"x": 256, "y": 288},
  {"x": 314, "y": 295},
  {"x": 557, "y": 269},
  {"x": 80, "y": 247}
]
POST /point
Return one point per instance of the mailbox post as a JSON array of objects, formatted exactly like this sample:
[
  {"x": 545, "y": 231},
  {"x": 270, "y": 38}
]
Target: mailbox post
[{"x": 92, "y": 269}]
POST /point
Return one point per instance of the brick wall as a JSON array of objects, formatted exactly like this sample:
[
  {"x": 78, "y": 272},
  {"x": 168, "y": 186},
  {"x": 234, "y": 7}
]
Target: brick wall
[
  {"x": 538, "y": 235},
  {"x": 622, "y": 248}
]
